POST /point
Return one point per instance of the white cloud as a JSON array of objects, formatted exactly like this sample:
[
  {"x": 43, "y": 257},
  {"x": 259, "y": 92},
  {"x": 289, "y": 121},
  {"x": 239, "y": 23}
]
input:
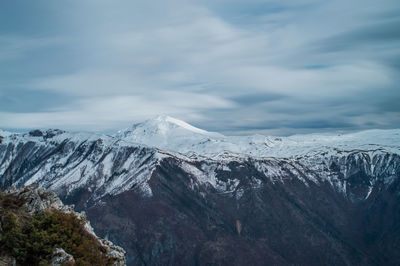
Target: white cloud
[
  {"x": 107, "y": 113},
  {"x": 133, "y": 60},
  {"x": 16, "y": 46}
]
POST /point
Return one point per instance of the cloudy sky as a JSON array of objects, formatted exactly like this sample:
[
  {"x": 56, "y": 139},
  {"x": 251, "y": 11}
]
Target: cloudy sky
[{"x": 233, "y": 66}]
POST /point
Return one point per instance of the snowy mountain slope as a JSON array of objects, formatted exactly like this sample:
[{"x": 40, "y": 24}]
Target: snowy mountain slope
[
  {"x": 168, "y": 192},
  {"x": 174, "y": 135},
  {"x": 66, "y": 162},
  {"x": 109, "y": 165},
  {"x": 167, "y": 133}
]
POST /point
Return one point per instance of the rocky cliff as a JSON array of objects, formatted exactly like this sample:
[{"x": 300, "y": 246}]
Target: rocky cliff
[{"x": 27, "y": 217}]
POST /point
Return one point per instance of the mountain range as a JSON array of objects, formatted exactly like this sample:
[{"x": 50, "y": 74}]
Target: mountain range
[{"x": 173, "y": 194}]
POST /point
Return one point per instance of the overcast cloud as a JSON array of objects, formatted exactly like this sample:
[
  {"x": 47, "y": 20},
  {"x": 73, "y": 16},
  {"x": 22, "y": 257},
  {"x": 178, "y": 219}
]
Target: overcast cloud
[{"x": 237, "y": 67}]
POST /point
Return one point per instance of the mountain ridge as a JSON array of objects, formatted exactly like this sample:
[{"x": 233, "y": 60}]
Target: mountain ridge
[
  {"x": 140, "y": 160},
  {"x": 173, "y": 135},
  {"x": 334, "y": 193}
]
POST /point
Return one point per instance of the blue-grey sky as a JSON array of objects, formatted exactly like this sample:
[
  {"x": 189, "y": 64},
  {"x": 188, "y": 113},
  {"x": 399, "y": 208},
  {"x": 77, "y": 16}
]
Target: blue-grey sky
[{"x": 233, "y": 66}]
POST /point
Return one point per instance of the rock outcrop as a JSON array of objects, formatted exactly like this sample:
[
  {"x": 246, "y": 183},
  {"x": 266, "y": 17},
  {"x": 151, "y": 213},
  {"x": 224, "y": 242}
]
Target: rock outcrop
[
  {"x": 37, "y": 200},
  {"x": 34, "y": 200},
  {"x": 60, "y": 257},
  {"x": 7, "y": 261}
]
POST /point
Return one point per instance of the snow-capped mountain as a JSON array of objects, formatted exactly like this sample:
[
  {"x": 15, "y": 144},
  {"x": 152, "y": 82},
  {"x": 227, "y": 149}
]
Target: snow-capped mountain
[
  {"x": 169, "y": 192},
  {"x": 66, "y": 162},
  {"x": 173, "y": 135},
  {"x": 168, "y": 133}
]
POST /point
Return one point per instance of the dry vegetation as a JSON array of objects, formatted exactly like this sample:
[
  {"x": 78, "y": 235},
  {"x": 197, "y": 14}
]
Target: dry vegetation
[{"x": 33, "y": 239}]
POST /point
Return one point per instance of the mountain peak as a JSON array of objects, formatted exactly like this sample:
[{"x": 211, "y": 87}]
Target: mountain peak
[
  {"x": 166, "y": 132},
  {"x": 165, "y": 122}
]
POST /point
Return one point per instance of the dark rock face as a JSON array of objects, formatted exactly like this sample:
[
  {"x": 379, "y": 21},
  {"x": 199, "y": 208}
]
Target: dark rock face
[
  {"x": 281, "y": 224},
  {"x": 164, "y": 209},
  {"x": 45, "y": 134}
]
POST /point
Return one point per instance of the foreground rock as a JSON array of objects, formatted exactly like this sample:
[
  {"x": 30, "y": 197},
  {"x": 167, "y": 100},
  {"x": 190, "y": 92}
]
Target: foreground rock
[
  {"x": 31, "y": 200},
  {"x": 7, "y": 261},
  {"x": 37, "y": 200},
  {"x": 60, "y": 257}
]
